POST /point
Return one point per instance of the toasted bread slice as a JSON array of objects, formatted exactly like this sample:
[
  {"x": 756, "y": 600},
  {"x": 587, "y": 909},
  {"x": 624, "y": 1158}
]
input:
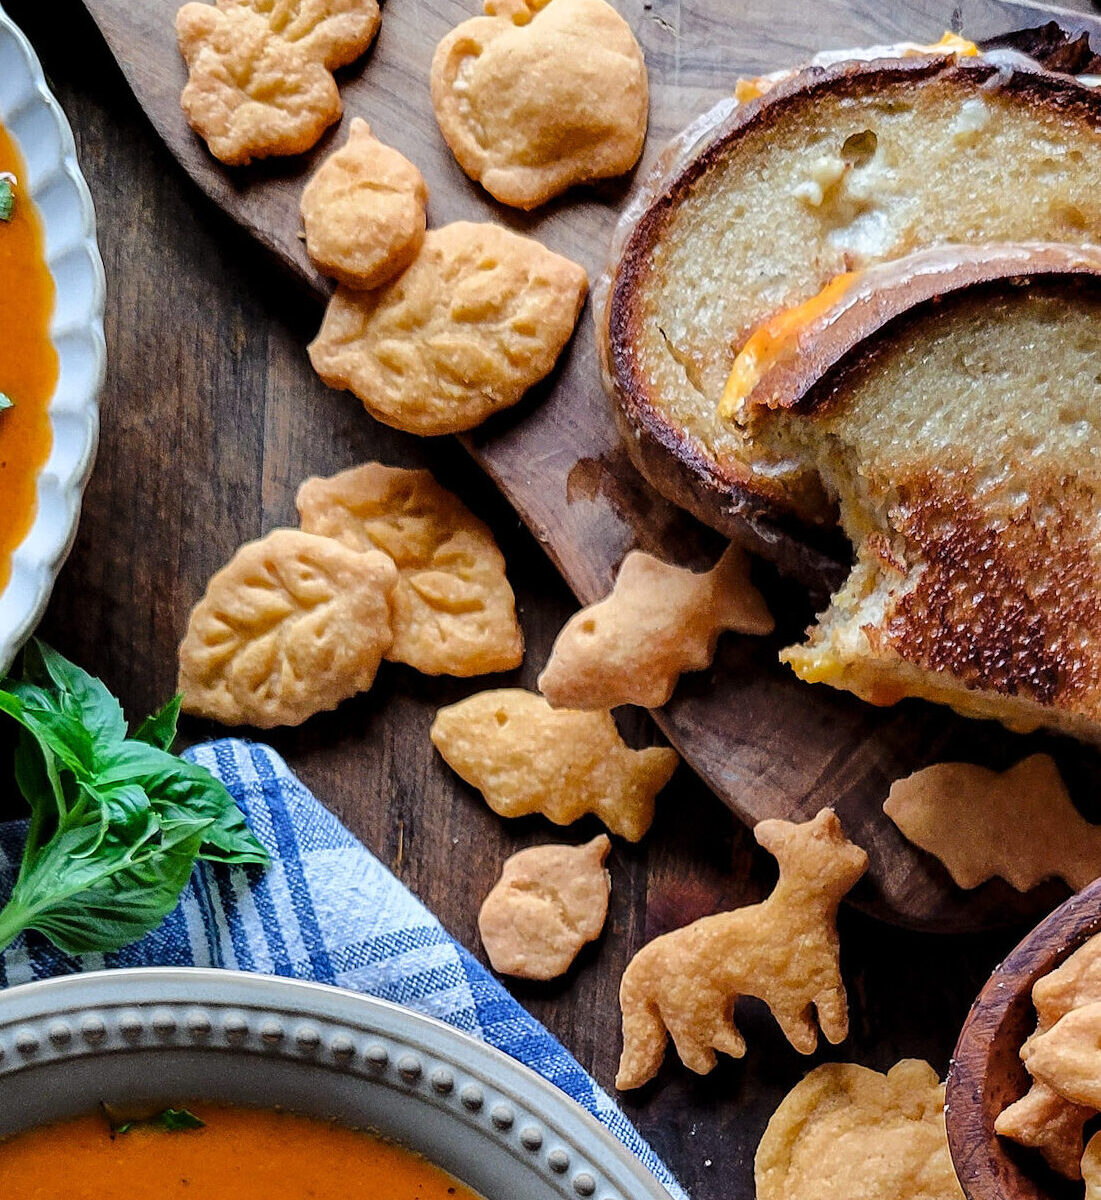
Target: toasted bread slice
[
  {"x": 832, "y": 170},
  {"x": 961, "y": 444}
]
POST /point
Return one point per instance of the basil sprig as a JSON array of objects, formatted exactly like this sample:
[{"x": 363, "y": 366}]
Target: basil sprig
[
  {"x": 117, "y": 822},
  {"x": 7, "y": 199}
]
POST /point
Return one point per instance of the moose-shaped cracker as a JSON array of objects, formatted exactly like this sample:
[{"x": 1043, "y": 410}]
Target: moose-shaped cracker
[{"x": 783, "y": 951}]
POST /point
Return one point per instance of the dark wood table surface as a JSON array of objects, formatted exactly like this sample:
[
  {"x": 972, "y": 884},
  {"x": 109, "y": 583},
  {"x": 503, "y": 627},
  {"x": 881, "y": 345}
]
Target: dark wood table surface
[{"x": 211, "y": 417}]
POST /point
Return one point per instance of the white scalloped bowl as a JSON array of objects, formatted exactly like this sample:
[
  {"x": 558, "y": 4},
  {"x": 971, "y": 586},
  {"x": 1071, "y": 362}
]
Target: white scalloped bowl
[
  {"x": 55, "y": 185},
  {"x": 155, "y": 1036}
]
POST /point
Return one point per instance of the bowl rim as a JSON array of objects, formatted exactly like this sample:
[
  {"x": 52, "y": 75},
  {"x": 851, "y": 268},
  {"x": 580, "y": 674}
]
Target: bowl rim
[
  {"x": 990, "y": 1167},
  {"x": 223, "y": 1011},
  {"x": 75, "y": 429}
]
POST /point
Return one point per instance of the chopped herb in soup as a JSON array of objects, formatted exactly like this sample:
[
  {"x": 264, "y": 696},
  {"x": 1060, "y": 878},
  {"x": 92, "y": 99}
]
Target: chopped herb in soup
[{"x": 208, "y": 1152}]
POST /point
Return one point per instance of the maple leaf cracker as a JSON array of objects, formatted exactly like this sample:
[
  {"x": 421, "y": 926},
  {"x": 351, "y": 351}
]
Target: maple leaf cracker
[
  {"x": 784, "y": 951},
  {"x": 1020, "y": 824},
  {"x": 849, "y": 1133},
  {"x": 249, "y": 93},
  {"x": 364, "y": 211},
  {"x": 549, "y": 902},
  {"x": 479, "y": 316},
  {"x": 527, "y": 757},
  {"x": 453, "y": 609},
  {"x": 658, "y": 621},
  {"x": 291, "y": 626},
  {"x": 535, "y": 98},
  {"x": 334, "y": 32},
  {"x": 1075, "y": 982},
  {"x": 1044, "y": 1121},
  {"x": 1067, "y": 1057}
]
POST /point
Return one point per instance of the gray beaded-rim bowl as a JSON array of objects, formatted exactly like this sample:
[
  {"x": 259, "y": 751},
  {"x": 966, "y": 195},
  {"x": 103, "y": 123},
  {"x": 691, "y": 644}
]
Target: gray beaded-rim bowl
[
  {"x": 55, "y": 185},
  {"x": 160, "y": 1035}
]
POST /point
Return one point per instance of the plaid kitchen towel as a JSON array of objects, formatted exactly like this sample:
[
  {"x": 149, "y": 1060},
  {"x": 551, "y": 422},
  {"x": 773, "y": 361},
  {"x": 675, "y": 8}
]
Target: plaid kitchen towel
[{"x": 326, "y": 910}]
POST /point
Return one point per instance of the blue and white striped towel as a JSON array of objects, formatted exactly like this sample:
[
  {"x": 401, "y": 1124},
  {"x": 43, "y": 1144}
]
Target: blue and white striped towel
[{"x": 327, "y": 910}]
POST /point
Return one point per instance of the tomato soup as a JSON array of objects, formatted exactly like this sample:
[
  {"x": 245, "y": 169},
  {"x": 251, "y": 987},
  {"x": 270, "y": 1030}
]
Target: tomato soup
[
  {"x": 237, "y": 1154},
  {"x": 28, "y": 361}
]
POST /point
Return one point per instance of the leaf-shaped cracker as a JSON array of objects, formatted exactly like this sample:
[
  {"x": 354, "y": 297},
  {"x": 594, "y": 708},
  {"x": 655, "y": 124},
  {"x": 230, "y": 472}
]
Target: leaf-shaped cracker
[
  {"x": 525, "y": 757},
  {"x": 1067, "y": 1057},
  {"x": 364, "y": 211},
  {"x": 549, "y": 901},
  {"x": 249, "y": 93},
  {"x": 658, "y": 621},
  {"x": 453, "y": 609},
  {"x": 532, "y": 103},
  {"x": 1042, "y": 1119},
  {"x": 480, "y": 315},
  {"x": 1019, "y": 824},
  {"x": 846, "y": 1132},
  {"x": 292, "y": 625},
  {"x": 334, "y": 32}
]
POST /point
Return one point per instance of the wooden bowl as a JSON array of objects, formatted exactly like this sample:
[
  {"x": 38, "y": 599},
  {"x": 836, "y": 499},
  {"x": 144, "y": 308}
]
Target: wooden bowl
[{"x": 986, "y": 1072}]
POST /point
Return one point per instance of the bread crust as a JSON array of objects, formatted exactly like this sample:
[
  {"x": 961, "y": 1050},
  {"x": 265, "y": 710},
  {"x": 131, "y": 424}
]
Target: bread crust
[
  {"x": 886, "y": 292},
  {"x": 723, "y": 495}
]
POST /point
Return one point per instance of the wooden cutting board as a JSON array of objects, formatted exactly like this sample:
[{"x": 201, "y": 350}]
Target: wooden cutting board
[{"x": 767, "y": 744}]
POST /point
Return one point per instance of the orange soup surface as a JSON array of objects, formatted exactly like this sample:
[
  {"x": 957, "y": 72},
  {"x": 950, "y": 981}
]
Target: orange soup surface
[
  {"x": 28, "y": 361},
  {"x": 239, "y": 1154}
]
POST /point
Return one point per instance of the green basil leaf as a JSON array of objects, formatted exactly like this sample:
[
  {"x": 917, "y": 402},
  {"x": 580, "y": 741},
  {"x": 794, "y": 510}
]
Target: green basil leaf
[
  {"x": 176, "y": 1120},
  {"x": 192, "y": 789},
  {"x": 172, "y": 1120},
  {"x": 7, "y": 200},
  {"x": 124, "y": 807},
  {"x": 49, "y": 791},
  {"x": 63, "y": 735},
  {"x": 178, "y": 788},
  {"x": 136, "y": 760},
  {"x": 104, "y": 901},
  {"x": 78, "y": 694},
  {"x": 124, "y": 813},
  {"x": 160, "y": 729}
]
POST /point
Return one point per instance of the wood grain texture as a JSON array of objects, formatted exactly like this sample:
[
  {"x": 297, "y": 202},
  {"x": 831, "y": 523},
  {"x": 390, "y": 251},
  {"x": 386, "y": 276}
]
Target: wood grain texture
[
  {"x": 986, "y": 1074},
  {"x": 211, "y": 418},
  {"x": 765, "y": 743}
]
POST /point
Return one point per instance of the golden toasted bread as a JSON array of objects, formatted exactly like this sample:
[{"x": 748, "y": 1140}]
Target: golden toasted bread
[
  {"x": 951, "y": 416},
  {"x": 830, "y": 171}
]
